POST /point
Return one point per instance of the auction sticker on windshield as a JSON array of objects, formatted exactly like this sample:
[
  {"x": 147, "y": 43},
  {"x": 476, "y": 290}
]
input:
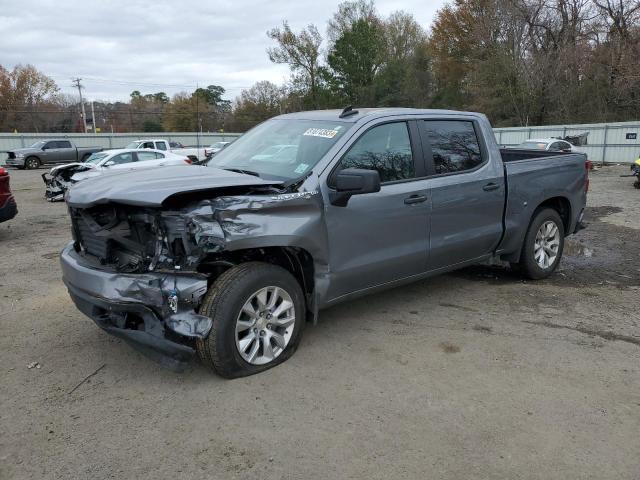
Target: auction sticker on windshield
[{"x": 320, "y": 132}]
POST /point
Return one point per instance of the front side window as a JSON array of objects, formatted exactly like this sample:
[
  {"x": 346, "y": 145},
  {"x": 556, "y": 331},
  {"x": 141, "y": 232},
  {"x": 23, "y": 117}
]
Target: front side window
[
  {"x": 122, "y": 158},
  {"x": 385, "y": 148},
  {"x": 50, "y": 145},
  {"x": 147, "y": 145},
  {"x": 454, "y": 145}
]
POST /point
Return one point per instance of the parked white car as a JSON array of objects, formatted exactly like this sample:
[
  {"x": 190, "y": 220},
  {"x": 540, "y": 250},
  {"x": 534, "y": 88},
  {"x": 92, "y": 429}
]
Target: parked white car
[
  {"x": 548, "y": 144},
  {"x": 215, "y": 148},
  {"x": 60, "y": 178},
  {"x": 195, "y": 154}
]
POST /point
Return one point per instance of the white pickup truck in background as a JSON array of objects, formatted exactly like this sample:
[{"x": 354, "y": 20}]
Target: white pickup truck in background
[{"x": 196, "y": 155}]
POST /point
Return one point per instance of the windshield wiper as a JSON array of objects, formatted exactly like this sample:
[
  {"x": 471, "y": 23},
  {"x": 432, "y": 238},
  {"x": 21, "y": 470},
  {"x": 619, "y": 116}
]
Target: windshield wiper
[{"x": 246, "y": 172}]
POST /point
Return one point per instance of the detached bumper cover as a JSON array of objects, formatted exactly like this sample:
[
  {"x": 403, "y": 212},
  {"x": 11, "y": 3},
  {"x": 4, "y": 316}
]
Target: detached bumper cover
[{"x": 135, "y": 307}]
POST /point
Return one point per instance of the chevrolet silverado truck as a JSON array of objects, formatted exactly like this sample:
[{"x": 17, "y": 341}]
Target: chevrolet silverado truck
[
  {"x": 48, "y": 152},
  {"x": 230, "y": 259}
]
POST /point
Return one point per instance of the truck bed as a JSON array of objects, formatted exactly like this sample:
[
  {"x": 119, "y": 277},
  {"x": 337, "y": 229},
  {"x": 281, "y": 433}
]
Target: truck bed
[{"x": 532, "y": 176}]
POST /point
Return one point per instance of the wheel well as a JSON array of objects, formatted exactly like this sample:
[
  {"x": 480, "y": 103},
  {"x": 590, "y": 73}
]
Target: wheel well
[
  {"x": 296, "y": 260},
  {"x": 562, "y": 206}
]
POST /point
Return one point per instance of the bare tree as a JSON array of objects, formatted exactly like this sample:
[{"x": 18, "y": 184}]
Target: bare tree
[{"x": 301, "y": 51}]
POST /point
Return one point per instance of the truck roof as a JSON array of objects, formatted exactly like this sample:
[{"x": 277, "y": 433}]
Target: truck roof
[{"x": 367, "y": 112}]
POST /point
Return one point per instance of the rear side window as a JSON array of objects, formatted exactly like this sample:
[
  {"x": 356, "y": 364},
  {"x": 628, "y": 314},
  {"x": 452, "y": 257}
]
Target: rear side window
[
  {"x": 385, "y": 148},
  {"x": 161, "y": 146},
  {"x": 454, "y": 145},
  {"x": 64, "y": 144},
  {"x": 145, "y": 156}
]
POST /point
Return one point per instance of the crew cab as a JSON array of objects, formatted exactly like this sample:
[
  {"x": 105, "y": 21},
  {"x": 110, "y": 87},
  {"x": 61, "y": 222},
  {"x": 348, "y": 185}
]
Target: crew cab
[
  {"x": 194, "y": 154},
  {"x": 48, "y": 152},
  {"x": 231, "y": 259}
]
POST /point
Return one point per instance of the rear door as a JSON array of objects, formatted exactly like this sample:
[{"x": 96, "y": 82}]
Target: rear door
[
  {"x": 467, "y": 192},
  {"x": 65, "y": 151},
  {"x": 380, "y": 237}
]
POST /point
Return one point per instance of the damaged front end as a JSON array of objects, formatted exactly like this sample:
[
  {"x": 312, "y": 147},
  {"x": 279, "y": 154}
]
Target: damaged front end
[
  {"x": 59, "y": 179},
  {"x": 141, "y": 272}
]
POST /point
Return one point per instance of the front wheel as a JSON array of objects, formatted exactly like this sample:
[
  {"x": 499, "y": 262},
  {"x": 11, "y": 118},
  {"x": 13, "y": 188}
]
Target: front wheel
[
  {"x": 543, "y": 245},
  {"x": 32, "y": 163},
  {"x": 258, "y": 312}
]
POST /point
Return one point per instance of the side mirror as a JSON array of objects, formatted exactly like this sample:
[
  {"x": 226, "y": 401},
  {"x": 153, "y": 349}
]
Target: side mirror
[
  {"x": 353, "y": 181},
  {"x": 44, "y": 147},
  {"x": 109, "y": 163}
]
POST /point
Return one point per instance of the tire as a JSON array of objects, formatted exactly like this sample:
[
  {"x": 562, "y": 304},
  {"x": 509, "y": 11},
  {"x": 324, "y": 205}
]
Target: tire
[
  {"x": 31, "y": 163},
  {"x": 227, "y": 302},
  {"x": 540, "y": 243}
]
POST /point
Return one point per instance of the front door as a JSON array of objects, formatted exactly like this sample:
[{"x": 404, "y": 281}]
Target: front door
[{"x": 381, "y": 237}]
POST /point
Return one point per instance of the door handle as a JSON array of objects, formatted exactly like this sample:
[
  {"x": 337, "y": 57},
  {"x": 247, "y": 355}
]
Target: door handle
[
  {"x": 415, "y": 199},
  {"x": 490, "y": 186}
]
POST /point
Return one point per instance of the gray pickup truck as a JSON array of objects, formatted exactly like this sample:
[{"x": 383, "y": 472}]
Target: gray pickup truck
[
  {"x": 48, "y": 152},
  {"x": 231, "y": 259}
]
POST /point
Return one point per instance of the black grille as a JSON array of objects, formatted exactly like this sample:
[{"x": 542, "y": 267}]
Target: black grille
[{"x": 90, "y": 242}]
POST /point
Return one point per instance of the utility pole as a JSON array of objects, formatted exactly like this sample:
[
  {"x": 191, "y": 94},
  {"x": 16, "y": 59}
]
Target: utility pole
[
  {"x": 93, "y": 118},
  {"x": 76, "y": 83}
]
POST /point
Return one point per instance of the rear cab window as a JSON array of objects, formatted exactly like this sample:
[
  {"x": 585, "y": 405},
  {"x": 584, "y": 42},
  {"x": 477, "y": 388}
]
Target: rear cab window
[{"x": 454, "y": 145}]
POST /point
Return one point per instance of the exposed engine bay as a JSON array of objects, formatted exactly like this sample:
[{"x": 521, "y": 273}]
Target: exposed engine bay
[{"x": 60, "y": 179}]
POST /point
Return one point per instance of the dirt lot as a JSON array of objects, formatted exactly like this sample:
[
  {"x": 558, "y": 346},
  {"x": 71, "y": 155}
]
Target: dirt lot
[{"x": 475, "y": 374}]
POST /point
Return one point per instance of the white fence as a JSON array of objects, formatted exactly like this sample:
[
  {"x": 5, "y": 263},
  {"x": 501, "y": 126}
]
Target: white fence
[
  {"x": 11, "y": 141},
  {"x": 607, "y": 142}
]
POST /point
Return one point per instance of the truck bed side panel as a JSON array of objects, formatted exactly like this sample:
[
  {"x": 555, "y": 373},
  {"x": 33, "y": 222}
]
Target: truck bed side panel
[{"x": 533, "y": 181}]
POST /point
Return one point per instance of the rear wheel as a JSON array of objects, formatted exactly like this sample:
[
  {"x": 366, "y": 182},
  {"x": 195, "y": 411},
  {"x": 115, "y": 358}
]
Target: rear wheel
[
  {"x": 32, "y": 163},
  {"x": 543, "y": 245},
  {"x": 258, "y": 313}
]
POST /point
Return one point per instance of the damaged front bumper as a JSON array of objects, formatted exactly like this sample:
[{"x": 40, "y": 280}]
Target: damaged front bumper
[
  {"x": 155, "y": 312},
  {"x": 54, "y": 190}
]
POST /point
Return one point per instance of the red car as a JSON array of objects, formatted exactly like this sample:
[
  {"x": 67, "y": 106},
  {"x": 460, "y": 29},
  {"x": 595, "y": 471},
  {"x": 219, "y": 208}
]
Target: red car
[{"x": 8, "y": 207}]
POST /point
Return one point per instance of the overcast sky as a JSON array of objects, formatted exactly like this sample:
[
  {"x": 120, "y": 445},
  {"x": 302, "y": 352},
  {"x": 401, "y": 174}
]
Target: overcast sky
[{"x": 117, "y": 46}]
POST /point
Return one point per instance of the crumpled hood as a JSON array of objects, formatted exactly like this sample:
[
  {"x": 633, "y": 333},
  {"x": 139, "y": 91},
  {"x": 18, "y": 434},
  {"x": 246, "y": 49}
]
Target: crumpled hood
[
  {"x": 66, "y": 166},
  {"x": 151, "y": 187}
]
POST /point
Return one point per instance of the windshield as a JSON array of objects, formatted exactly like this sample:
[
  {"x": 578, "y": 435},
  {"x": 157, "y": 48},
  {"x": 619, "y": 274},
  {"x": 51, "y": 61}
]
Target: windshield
[
  {"x": 38, "y": 145},
  {"x": 281, "y": 149},
  {"x": 533, "y": 145},
  {"x": 133, "y": 145},
  {"x": 95, "y": 158}
]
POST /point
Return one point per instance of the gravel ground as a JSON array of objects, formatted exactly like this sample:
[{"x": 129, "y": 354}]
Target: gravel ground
[{"x": 475, "y": 374}]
